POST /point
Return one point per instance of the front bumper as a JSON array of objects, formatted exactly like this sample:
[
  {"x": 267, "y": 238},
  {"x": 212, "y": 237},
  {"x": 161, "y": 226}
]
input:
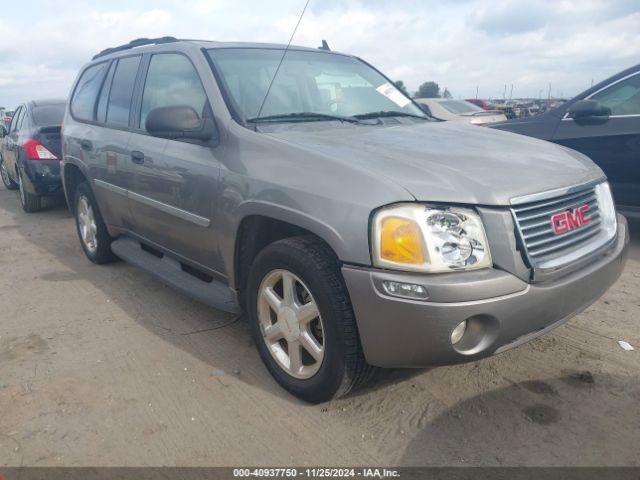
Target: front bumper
[{"x": 502, "y": 310}]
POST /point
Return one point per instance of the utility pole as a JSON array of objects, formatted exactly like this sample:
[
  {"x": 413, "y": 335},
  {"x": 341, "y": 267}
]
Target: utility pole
[
  {"x": 477, "y": 88},
  {"x": 549, "y": 94},
  {"x": 504, "y": 94},
  {"x": 511, "y": 93}
]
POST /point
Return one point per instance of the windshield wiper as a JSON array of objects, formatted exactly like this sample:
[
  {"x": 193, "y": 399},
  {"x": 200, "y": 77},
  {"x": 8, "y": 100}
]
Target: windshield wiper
[
  {"x": 302, "y": 117},
  {"x": 389, "y": 113}
]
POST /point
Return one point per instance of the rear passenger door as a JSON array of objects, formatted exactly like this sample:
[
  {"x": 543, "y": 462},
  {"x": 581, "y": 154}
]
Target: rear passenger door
[
  {"x": 114, "y": 176},
  {"x": 176, "y": 181}
]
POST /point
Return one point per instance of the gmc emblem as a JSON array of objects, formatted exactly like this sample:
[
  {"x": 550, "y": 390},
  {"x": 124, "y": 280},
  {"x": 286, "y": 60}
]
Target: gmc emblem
[{"x": 571, "y": 219}]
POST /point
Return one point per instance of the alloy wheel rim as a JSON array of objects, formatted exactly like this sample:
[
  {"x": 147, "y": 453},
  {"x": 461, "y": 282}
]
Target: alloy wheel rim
[
  {"x": 4, "y": 173},
  {"x": 23, "y": 195},
  {"x": 291, "y": 324},
  {"x": 87, "y": 225}
]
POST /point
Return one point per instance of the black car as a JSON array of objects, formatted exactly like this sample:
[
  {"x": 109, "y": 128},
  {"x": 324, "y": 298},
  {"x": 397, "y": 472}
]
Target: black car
[
  {"x": 30, "y": 152},
  {"x": 604, "y": 124}
]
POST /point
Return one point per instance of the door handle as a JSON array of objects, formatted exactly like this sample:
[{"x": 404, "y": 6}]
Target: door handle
[
  {"x": 137, "y": 157},
  {"x": 86, "y": 145}
]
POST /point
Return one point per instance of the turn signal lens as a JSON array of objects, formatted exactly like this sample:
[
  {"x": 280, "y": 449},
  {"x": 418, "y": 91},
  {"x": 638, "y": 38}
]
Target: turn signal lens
[{"x": 401, "y": 241}]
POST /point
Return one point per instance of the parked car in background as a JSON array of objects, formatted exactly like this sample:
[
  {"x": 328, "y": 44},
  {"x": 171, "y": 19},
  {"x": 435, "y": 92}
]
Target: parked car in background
[
  {"x": 353, "y": 229},
  {"x": 6, "y": 117},
  {"x": 459, "y": 111},
  {"x": 30, "y": 152},
  {"x": 483, "y": 104},
  {"x": 603, "y": 123}
]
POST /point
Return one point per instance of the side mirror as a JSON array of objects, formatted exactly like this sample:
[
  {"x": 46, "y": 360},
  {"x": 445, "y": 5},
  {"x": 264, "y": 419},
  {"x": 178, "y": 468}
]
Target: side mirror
[
  {"x": 3, "y": 131},
  {"x": 589, "y": 109},
  {"x": 180, "y": 122}
]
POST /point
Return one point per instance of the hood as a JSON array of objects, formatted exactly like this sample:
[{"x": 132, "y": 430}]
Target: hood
[{"x": 445, "y": 161}]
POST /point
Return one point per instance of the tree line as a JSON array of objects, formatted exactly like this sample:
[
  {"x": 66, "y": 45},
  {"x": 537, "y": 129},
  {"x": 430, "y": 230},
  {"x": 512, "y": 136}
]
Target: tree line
[{"x": 426, "y": 90}]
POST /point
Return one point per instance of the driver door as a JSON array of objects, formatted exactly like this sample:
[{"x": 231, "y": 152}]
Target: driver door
[{"x": 613, "y": 143}]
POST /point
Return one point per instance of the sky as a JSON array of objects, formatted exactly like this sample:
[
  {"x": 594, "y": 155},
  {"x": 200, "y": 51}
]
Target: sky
[{"x": 463, "y": 45}]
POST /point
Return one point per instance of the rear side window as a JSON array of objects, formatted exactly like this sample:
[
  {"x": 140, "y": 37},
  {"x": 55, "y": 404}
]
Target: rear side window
[
  {"x": 84, "y": 97},
  {"x": 124, "y": 80},
  {"x": 101, "y": 113},
  {"x": 48, "y": 115},
  {"x": 172, "y": 80},
  {"x": 459, "y": 106}
]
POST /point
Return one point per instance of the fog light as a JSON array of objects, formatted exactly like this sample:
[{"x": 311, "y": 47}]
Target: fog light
[
  {"x": 405, "y": 290},
  {"x": 458, "y": 332}
]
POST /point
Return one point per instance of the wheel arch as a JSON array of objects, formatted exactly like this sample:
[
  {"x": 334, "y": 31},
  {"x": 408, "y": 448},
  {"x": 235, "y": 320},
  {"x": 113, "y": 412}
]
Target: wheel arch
[
  {"x": 73, "y": 174},
  {"x": 264, "y": 224}
]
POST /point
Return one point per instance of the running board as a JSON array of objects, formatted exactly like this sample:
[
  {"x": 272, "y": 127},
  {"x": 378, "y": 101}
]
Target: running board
[{"x": 171, "y": 272}]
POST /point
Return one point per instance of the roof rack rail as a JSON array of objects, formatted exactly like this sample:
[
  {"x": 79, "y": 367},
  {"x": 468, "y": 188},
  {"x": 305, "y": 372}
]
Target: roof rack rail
[{"x": 138, "y": 42}]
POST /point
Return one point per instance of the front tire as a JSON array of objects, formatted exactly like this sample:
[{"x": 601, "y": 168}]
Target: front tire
[
  {"x": 303, "y": 322},
  {"x": 30, "y": 203},
  {"x": 6, "y": 179},
  {"x": 92, "y": 232}
]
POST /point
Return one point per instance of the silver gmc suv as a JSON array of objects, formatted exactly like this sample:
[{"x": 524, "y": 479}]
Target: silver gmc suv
[{"x": 355, "y": 231}]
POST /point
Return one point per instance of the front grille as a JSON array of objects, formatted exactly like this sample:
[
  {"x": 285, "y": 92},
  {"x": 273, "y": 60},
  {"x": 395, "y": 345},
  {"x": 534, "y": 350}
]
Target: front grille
[{"x": 542, "y": 243}]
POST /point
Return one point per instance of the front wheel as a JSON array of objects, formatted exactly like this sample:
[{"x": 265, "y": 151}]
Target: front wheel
[
  {"x": 303, "y": 322},
  {"x": 92, "y": 232},
  {"x": 6, "y": 178}
]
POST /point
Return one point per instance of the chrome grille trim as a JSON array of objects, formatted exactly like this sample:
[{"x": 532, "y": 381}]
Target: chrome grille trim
[{"x": 541, "y": 243}]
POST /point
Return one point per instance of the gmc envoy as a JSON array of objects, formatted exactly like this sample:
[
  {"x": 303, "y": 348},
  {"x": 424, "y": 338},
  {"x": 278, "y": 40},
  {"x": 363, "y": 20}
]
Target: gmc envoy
[{"x": 302, "y": 187}]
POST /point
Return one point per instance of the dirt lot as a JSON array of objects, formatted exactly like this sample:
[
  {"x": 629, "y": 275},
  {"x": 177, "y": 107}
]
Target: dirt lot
[{"x": 104, "y": 366}]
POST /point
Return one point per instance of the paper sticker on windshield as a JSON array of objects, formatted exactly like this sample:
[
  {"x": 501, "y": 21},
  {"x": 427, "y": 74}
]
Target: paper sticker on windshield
[{"x": 393, "y": 94}]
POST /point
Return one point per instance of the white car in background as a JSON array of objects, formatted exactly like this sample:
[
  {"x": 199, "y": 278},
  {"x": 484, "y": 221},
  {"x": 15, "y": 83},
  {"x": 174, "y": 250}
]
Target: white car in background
[{"x": 459, "y": 111}]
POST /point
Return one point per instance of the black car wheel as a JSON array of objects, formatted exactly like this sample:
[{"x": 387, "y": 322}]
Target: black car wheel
[
  {"x": 92, "y": 232},
  {"x": 303, "y": 322},
  {"x": 30, "y": 203},
  {"x": 6, "y": 178}
]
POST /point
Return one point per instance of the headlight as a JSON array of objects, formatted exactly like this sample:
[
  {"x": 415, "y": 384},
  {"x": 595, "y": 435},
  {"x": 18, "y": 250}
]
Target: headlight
[{"x": 429, "y": 239}]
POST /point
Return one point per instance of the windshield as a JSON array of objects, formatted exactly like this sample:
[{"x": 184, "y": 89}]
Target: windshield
[
  {"x": 460, "y": 106},
  {"x": 48, "y": 115},
  {"x": 307, "y": 81}
]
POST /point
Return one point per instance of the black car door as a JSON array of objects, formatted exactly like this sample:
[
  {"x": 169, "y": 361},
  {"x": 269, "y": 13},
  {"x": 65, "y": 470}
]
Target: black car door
[
  {"x": 10, "y": 144},
  {"x": 612, "y": 142}
]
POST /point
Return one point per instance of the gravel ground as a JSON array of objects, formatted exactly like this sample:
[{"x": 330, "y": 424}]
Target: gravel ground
[{"x": 104, "y": 366}]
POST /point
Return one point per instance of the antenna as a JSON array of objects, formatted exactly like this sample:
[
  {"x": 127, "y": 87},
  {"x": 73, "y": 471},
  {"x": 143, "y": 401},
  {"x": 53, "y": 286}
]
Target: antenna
[{"x": 282, "y": 58}]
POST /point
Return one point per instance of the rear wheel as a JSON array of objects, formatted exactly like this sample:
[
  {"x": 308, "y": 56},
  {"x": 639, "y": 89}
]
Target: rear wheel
[
  {"x": 303, "y": 322},
  {"x": 30, "y": 203},
  {"x": 6, "y": 179},
  {"x": 92, "y": 232}
]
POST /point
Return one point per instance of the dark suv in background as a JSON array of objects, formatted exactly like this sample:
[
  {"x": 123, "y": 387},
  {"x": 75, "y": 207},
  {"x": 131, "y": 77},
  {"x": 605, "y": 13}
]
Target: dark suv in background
[
  {"x": 30, "y": 152},
  {"x": 604, "y": 124}
]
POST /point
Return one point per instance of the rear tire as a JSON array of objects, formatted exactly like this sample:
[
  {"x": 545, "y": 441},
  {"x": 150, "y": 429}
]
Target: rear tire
[
  {"x": 30, "y": 203},
  {"x": 6, "y": 179},
  {"x": 337, "y": 365},
  {"x": 92, "y": 232}
]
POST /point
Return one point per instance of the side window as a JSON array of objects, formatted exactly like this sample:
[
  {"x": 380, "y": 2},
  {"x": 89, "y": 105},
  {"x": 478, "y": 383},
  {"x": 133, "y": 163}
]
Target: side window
[
  {"x": 24, "y": 119},
  {"x": 84, "y": 97},
  {"x": 623, "y": 98},
  {"x": 121, "y": 93},
  {"x": 101, "y": 112},
  {"x": 171, "y": 81}
]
